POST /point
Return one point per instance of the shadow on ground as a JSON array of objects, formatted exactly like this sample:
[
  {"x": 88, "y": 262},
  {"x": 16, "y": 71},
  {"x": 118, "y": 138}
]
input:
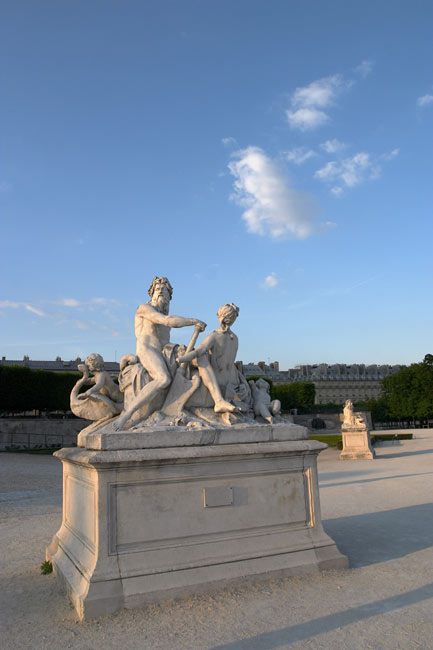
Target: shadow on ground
[
  {"x": 370, "y": 480},
  {"x": 350, "y": 470},
  {"x": 404, "y": 453},
  {"x": 381, "y": 536},
  {"x": 302, "y": 631}
]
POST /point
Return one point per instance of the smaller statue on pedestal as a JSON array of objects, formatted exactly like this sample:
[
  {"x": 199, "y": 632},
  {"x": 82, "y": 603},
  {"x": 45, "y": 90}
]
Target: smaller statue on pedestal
[
  {"x": 350, "y": 418},
  {"x": 355, "y": 435}
]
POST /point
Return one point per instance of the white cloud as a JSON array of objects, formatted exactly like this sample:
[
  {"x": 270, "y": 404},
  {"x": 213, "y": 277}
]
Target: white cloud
[
  {"x": 425, "y": 100},
  {"x": 34, "y": 310},
  {"x": 229, "y": 142},
  {"x": 81, "y": 325},
  {"x": 365, "y": 67},
  {"x": 350, "y": 171},
  {"x": 306, "y": 119},
  {"x": 391, "y": 155},
  {"x": 103, "y": 301},
  {"x": 320, "y": 93},
  {"x": 72, "y": 302},
  {"x": 328, "y": 172},
  {"x": 8, "y": 304},
  {"x": 69, "y": 302},
  {"x": 91, "y": 325},
  {"x": 353, "y": 171},
  {"x": 105, "y": 328},
  {"x": 299, "y": 155},
  {"x": 333, "y": 146},
  {"x": 270, "y": 281},
  {"x": 309, "y": 101},
  {"x": 271, "y": 207}
]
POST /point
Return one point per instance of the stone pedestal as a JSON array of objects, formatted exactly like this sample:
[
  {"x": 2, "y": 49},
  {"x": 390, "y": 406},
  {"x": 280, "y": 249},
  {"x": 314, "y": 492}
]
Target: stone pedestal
[
  {"x": 356, "y": 443},
  {"x": 143, "y": 522}
]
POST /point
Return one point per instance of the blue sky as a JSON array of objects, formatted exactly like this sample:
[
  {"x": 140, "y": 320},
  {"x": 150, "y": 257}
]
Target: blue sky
[{"x": 275, "y": 154}]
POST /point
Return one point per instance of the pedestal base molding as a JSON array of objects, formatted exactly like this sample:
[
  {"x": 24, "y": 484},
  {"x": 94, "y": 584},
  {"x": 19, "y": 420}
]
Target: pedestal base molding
[{"x": 144, "y": 525}]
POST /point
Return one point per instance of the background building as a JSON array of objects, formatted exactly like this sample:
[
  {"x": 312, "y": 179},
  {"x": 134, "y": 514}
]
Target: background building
[
  {"x": 59, "y": 365},
  {"x": 334, "y": 383}
]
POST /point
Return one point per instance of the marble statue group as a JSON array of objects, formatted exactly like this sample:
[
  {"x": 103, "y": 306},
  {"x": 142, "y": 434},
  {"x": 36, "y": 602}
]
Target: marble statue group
[
  {"x": 187, "y": 476},
  {"x": 173, "y": 385}
]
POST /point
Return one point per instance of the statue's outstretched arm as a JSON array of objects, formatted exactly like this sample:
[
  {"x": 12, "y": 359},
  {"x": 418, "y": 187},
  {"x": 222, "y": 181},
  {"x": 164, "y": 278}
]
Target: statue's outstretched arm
[
  {"x": 170, "y": 321},
  {"x": 200, "y": 350}
]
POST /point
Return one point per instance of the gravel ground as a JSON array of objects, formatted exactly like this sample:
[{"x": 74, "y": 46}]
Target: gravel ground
[{"x": 379, "y": 512}]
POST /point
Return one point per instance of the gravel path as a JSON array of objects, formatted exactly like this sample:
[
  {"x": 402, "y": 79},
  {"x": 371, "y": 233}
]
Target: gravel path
[{"x": 379, "y": 512}]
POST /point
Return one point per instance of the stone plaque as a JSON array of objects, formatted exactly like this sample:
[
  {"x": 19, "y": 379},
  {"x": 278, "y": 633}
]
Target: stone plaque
[{"x": 217, "y": 496}]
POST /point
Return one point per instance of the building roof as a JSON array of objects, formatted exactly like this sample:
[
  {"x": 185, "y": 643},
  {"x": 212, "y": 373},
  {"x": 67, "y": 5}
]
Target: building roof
[{"x": 55, "y": 366}]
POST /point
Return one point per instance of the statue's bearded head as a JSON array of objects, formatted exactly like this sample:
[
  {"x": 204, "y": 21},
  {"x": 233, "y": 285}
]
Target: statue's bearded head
[{"x": 160, "y": 292}]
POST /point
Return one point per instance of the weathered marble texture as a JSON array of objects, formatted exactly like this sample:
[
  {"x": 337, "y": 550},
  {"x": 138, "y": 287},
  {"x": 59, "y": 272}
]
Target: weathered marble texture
[
  {"x": 103, "y": 400},
  {"x": 169, "y": 384},
  {"x": 356, "y": 443},
  {"x": 264, "y": 407},
  {"x": 185, "y": 488},
  {"x": 146, "y": 523}
]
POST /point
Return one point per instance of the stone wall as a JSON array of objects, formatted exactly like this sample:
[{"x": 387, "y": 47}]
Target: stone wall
[
  {"x": 34, "y": 433},
  {"x": 332, "y": 421}
]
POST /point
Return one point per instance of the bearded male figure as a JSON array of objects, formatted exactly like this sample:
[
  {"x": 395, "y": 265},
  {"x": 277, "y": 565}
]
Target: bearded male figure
[{"x": 152, "y": 329}]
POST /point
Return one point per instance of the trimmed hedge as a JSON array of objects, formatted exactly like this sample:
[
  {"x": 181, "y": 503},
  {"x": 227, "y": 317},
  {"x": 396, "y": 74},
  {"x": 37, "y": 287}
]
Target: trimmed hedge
[
  {"x": 337, "y": 440},
  {"x": 23, "y": 389},
  {"x": 380, "y": 437}
]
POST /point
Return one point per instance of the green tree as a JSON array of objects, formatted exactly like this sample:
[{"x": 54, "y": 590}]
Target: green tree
[
  {"x": 379, "y": 409},
  {"x": 298, "y": 395},
  {"x": 409, "y": 392}
]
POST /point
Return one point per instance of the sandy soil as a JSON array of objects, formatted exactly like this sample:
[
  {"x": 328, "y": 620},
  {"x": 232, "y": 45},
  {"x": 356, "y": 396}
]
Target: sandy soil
[{"x": 379, "y": 512}]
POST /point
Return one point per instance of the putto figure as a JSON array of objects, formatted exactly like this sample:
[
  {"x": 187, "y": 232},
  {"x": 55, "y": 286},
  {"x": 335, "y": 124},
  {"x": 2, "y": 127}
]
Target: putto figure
[
  {"x": 263, "y": 405},
  {"x": 103, "y": 399},
  {"x": 101, "y": 380}
]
